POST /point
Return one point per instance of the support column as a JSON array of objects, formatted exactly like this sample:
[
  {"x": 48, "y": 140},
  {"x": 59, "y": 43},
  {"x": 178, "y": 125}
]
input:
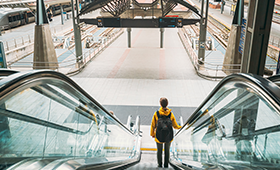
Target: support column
[
  {"x": 257, "y": 36},
  {"x": 202, "y": 31},
  {"x": 240, "y": 12},
  {"x": 129, "y": 37},
  {"x": 161, "y": 37},
  {"x": 44, "y": 52},
  {"x": 233, "y": 57},
  {"x": 61, "y": 12},
  {"x": 77, "y": 34}
]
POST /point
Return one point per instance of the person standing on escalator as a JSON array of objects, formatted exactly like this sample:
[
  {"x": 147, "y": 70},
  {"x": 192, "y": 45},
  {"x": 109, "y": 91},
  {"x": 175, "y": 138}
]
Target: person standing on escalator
[{"x": 161, "y": 129}]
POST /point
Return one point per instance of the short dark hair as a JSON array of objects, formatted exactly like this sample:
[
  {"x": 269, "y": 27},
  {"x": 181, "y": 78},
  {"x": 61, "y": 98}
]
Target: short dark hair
[{"x": 163, "y": 102}]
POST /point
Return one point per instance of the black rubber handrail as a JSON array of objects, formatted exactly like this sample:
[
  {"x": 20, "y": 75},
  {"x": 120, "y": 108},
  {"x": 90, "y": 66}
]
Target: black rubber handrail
[
  {"x": 30, "y": 119},
  {"x": 269, "y": 88},
  {"x": 259, "y": 132},
  {"x": 18, "y": 79},
  {"x": 7, "y": 72},
  {"x": 274, "y": 78}
]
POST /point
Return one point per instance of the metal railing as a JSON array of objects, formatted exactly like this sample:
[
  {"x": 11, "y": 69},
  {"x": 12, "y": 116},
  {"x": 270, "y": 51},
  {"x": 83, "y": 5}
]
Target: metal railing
[
  {"x": 217, "y": 71},
  {"x": 56, "y": 30},
  {"x": 202, "y": 68},
  {"x": 271, "y": 66},
  {"x": 74, "y": 65},
  {"x": 93, "y": 52},
  {"x": 18, "y": 42},
  {"x": 275, "y": 41},
  {"x": 209, "y": 70}
]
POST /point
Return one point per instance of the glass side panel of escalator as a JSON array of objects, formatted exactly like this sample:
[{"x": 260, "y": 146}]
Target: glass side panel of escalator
[
  {"x": 238, "y": 128},
  {"x": 48, "y": 119}
]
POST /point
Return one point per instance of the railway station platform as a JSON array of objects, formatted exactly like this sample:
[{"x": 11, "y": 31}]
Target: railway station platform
[
  {"x": 130, "y": 81},
  {"x": 135, "y": 78}
]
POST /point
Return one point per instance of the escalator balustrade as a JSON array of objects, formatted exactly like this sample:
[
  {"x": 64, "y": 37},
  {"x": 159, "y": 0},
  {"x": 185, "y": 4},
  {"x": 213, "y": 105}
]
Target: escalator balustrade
[
  {"x": 236, "y": 127},
  {"x": 48, "y": 122}
]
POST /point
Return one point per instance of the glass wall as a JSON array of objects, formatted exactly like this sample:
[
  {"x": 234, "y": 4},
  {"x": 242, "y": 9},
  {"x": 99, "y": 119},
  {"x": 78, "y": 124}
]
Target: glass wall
[
  {"x": 48, "y": 118},
  {"x": 237, "y": 127}
]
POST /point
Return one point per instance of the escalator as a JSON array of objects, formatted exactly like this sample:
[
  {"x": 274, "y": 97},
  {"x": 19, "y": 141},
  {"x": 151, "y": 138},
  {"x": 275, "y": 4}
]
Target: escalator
[
  {"x": 48, "y": 122},
  {"x": 236, "y": 127}
]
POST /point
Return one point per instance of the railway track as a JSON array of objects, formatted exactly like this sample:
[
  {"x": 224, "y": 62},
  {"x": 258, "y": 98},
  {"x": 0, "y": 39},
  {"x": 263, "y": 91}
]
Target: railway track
[
  {"x": 218, "y": 30},
  {"x": 276, "y": 18},
  {"x": 221, "y": 32}
]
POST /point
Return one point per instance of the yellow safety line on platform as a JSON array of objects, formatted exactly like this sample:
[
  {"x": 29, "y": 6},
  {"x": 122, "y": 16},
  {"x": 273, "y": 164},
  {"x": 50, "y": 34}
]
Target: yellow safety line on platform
[
  {"x": 178, "y": 150},
  {"x": 148, "y": 149},
  {"x": 224, "y": 24}
]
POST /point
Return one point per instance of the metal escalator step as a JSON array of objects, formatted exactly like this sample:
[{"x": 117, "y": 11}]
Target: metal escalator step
[
  {"x": 148, "y": 166},
  {"x": 148, "y": 161}
]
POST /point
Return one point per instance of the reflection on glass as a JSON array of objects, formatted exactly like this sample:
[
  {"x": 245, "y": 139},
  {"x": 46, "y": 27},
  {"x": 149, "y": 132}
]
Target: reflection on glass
[
  {"x": 21, "y": 134},
  {"x": 238, "y": 128},
  {"x": 44, "y": 122}
]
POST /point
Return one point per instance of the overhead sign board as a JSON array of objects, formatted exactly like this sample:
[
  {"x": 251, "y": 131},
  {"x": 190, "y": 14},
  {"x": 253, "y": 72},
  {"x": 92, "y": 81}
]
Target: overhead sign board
[
  {"x": 179, "y": 22},
  {"x": 109, "y": 22},
  {"x": 170, "y": 22},
  {"x": 162, "y": 22},
  {"x": 167, "y": 22}
]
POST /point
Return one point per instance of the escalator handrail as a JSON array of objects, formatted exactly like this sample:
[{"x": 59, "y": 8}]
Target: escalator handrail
[
  {"x": 30, "y": 119},
  {"x": 258, "y": 132},
  {"x": 22, "y": 77},
  {"x": 274, "y": 78},
  {"x": 271, "y": 89},
  {"x": 7, "y": 72}
]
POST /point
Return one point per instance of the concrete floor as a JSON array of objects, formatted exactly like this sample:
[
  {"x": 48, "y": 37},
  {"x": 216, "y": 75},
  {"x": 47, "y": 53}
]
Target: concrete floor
[{"x": 142, "y": 74}]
